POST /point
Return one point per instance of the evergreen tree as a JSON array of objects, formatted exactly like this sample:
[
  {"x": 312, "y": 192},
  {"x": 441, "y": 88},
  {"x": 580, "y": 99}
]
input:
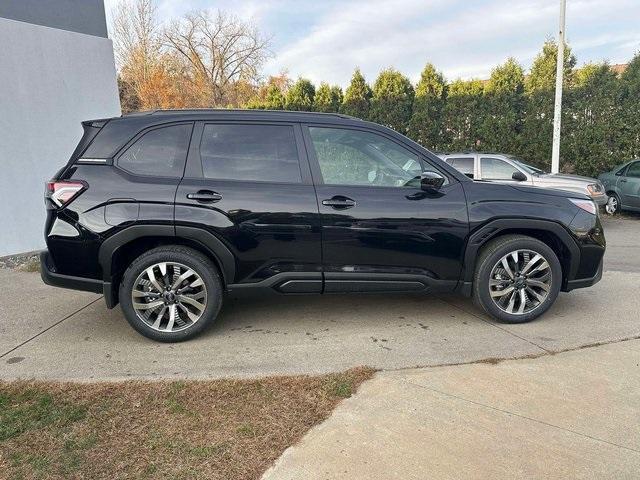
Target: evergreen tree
[
  {"x": 462, "y": 115},
  {"x": 357, "y": 97},
  {"x": 392, "y": 100},
  {"x": 504, "y": 108},
  {"x": 336, "y": 98},
  {"x": 592, "y": 131},
  {"x": 328, "y": 99},
  {"x": 425, "y": 126},
  {"x": 274, "y": 99},
  {"x": 540, "y": 89},
  {"x": 543, "y": 69},
  {"x": 300, "y": 96},
  {"x": 630, "y": 111}
]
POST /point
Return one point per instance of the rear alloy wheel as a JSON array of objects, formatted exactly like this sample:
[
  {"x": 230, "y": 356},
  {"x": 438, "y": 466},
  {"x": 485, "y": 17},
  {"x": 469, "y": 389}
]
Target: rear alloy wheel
[
  {"x": 613, "y": 204},
  {"x": 171, "y": 293},
  {"x": 169, "y": 297},
  {"x": 517, "y": 278}
]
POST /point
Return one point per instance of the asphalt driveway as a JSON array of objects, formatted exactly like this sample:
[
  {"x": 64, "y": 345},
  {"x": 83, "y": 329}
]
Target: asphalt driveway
[{"x": 60, "y": 334}]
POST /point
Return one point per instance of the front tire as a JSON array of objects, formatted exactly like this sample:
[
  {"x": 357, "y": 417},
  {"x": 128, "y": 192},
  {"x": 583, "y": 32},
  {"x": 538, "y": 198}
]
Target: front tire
[
  {"x": 613, "y": 204},
  {"x": 171, "y": 294},
  {"x": 517, "y": 278}
]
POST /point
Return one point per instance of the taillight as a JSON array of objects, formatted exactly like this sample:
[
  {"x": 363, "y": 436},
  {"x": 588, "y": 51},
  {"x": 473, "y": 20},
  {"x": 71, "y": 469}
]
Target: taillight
[{"x": 63, "y": 191}]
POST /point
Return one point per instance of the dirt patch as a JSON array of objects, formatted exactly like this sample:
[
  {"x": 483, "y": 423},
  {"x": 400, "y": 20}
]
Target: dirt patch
[
  {"x": 218, "y": 429},
  {"x": 24, "y": 262}
]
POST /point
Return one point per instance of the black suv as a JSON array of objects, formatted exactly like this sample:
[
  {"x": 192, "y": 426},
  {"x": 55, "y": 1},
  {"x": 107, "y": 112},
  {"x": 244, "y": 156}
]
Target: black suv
[{"x": 165, "y": 211}]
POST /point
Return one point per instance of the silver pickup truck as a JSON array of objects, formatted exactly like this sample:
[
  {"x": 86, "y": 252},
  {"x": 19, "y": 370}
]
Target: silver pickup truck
[{"x": 508, "y": 169}]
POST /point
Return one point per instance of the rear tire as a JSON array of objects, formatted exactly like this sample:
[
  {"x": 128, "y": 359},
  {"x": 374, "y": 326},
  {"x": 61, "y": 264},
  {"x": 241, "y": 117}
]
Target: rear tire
[
  {"x": 517, "y": 278},
  {"x": 171, "y": 294}
]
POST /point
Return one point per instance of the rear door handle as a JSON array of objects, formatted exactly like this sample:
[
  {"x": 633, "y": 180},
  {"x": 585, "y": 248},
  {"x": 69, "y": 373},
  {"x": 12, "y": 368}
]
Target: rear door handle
[
  {"x": 624, "y": 180},
  {"x": 339, "y": 202},
  {"x": 205, "y": 196}
]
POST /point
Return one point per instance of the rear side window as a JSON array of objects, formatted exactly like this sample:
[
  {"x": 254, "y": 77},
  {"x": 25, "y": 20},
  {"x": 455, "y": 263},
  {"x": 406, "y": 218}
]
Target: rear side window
[
  {"x": 160, "y": 152},
  {"x": 258, "y": 153}
]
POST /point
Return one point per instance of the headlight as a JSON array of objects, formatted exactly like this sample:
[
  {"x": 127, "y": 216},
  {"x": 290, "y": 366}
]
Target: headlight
[
  {"x": 586, "y": 205},
  {"x": 594, "y": 189}
]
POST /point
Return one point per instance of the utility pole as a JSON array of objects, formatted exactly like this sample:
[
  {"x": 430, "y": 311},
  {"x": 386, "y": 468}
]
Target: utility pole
[{"x": 557, "y": 110}]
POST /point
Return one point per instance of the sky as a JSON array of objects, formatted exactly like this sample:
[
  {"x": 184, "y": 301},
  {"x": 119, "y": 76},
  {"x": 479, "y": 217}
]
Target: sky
[{"x": 324, "y": 40}]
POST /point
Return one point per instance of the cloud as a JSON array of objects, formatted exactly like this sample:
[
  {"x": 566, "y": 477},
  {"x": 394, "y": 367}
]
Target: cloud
[
  {"x": 464, "y": 39},
  {"x": 326, "y": 40}
]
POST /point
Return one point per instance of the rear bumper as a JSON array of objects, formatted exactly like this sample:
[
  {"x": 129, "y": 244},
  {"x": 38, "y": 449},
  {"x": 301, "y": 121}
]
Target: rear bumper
[
  {"x": 50, "y": 277},
  {"x": 585, "y": 282}
]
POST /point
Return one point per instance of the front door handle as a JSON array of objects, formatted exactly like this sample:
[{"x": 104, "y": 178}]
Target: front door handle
[
  {"x": 339, "y": 202},
  {"x": 205, "y": 196},
  {"x": 623, "y": 180}
]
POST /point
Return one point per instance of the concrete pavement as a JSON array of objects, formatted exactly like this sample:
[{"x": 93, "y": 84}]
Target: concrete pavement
[
  {"x": 623, "y": 242},
  {"x": 289, "y": 335},
  {"x": 570, "y": 415},
  {"x": 51, "y": 333}
]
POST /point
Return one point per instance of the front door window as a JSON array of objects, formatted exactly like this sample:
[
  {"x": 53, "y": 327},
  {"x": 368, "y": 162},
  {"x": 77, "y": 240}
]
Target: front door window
[
  {"x": 359, "y": 158},
  {"x": 496, "y": 169}
]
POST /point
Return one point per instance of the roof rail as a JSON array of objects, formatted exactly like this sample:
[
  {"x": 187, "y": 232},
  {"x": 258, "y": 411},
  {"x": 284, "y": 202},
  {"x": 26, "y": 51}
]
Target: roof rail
[{"x": 170, "y": 111}]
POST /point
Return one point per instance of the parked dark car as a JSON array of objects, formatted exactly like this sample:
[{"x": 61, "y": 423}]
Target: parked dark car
[
  {"x": 623, "y": 187},
  {"x": 165, "y": 211}
]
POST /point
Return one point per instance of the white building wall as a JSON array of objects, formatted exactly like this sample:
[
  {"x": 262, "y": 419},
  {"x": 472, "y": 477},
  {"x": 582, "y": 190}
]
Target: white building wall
[{"x": 50, "y": 81}]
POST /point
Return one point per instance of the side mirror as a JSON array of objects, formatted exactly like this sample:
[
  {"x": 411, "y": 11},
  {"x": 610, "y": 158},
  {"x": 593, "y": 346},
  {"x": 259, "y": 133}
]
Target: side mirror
[
  {"x": 431, "y": 181},
  {"x": 519, "y": 176}
]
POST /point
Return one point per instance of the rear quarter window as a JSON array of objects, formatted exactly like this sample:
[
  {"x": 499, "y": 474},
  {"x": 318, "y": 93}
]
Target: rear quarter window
[{"x": 159, "y": 152}]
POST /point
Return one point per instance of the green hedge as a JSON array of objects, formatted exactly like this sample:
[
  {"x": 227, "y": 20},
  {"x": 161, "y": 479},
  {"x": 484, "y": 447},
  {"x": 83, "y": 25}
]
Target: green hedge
[{"x": 509, "y": 113}]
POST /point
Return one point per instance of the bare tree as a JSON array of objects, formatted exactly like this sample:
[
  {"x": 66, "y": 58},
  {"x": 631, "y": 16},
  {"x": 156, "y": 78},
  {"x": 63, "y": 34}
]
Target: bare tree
[
  {"x": 220, "y": 52},
  {"x": 143, "y": 74},
  {"x": 135, "y": 35}
]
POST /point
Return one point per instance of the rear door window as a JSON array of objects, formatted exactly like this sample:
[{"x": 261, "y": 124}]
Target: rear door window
[
  {"x": 252, "y": 153},
  {"x": 159, "y": 152}
]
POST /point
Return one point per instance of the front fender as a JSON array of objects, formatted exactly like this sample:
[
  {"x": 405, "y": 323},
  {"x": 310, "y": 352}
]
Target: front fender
[{"x": 480, "y": 237}]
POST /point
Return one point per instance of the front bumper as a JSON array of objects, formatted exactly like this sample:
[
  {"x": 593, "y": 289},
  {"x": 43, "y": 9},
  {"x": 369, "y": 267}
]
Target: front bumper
[
  {"x": 601, "y": 200},
  {"x": 584, "y": 282}
]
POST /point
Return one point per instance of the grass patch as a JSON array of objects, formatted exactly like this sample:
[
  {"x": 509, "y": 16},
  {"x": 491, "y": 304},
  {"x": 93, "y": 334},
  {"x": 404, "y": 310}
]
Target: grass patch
[
  {"x": 218, "y": 429},
  {"x": 341, "y": 386},
  {"x": 32, "y": 409}
]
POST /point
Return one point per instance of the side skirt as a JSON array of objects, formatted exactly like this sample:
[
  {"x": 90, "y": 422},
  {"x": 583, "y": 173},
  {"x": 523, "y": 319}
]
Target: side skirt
[{"x": 345, "y": 282}]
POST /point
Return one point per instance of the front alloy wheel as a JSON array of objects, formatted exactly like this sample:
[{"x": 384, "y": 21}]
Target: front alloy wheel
[
  {"x": 520, "y": 282},
  {"x": 517, "y": 278},
  {"x": 613, "y": 205}
]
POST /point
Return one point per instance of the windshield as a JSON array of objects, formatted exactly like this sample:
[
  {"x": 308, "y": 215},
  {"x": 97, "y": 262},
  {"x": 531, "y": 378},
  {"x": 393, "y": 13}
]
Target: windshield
[{"x": 527, "y": 168}]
